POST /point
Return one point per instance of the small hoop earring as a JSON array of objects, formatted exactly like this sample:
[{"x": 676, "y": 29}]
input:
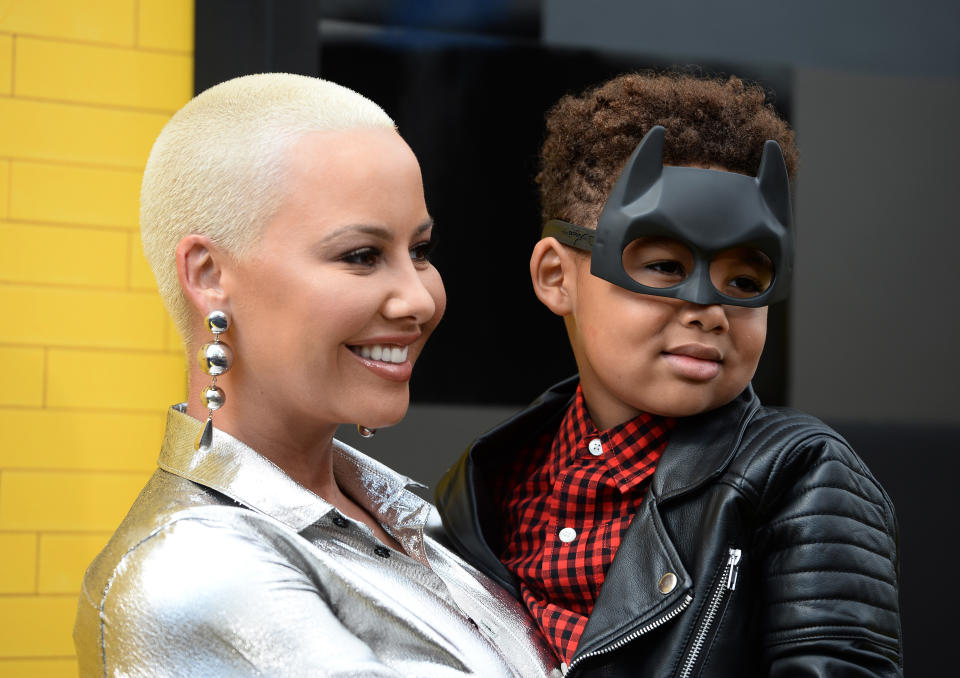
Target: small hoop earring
[
  {"x": 366, "y": 432},
  {"x": 215, "y": 358}
]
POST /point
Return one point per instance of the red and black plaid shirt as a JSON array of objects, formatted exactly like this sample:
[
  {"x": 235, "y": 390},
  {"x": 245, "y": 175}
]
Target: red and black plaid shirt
[{"x": 568, "y": 502}]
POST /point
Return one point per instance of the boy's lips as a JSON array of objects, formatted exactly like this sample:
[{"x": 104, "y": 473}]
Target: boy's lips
[
  {"x": 698, "y": 362},
  {"x": 700, "y": 351}
]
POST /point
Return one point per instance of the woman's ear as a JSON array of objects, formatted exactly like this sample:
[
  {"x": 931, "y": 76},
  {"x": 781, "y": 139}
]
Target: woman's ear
[
  {"x": 552, "y": 269},
  {"x": 199, "y": 269}
]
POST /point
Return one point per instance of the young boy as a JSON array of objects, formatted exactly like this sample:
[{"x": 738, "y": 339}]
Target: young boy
[{"x": 653, "y": 516}]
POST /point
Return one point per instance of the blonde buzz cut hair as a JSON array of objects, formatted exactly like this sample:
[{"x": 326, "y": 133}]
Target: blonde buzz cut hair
[{"x": 217, "y": 167}]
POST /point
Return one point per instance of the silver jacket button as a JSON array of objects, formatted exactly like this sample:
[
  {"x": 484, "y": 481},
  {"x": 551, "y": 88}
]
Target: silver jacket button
[{"x": 667, "y": 583}]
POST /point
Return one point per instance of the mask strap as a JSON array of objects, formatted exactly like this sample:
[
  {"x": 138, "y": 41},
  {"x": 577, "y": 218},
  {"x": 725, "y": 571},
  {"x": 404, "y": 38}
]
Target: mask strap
[{"x": 569, "y": 234}]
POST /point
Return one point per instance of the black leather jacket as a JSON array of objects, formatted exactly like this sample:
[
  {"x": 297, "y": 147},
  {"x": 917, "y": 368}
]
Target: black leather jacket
[{"x": 782, "y": 547}]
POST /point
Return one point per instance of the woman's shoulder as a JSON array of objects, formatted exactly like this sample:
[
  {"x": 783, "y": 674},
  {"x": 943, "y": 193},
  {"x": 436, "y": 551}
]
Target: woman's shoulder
[
  {"x": 177, "y": 568},
  {"x": 177, "y": 534}
]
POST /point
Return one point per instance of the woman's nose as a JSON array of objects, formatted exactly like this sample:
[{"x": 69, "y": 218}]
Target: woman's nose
[{"x": 411, "y": 297}]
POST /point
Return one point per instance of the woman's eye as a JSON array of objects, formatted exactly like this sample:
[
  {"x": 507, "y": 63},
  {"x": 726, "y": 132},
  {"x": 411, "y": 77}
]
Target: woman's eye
[
  {"x": 364, "y": 256},
  {"x": 420, "y": 253}
]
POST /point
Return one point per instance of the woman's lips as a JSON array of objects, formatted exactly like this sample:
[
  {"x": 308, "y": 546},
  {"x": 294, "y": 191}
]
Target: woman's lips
[
  {"x": 694, "y": 361},
  {"x": 389, "y": 362}
]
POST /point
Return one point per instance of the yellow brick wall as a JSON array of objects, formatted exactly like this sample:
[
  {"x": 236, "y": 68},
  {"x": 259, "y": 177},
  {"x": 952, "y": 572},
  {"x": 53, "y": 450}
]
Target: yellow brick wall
[{"x": 88, "y": 359}]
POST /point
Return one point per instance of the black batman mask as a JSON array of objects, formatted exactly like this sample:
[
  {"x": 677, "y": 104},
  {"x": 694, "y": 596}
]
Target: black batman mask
[{"x": 702, "y": 235}]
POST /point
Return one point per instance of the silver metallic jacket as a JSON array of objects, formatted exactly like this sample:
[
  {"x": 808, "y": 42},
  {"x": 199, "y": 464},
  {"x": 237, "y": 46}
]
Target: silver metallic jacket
[{"x": 225, "y": 566}]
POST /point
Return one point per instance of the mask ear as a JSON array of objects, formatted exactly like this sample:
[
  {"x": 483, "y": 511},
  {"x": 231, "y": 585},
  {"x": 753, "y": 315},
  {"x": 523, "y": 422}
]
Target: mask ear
[
  {"x": 644, "y": 166},
  {"x": 774, "y": 182}
]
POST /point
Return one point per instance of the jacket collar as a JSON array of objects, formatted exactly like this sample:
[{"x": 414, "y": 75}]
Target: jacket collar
[
  {"x": 701, "y": 446},
  {"x": 710, "y": 439},
  {"x": 239, "y": 472}
]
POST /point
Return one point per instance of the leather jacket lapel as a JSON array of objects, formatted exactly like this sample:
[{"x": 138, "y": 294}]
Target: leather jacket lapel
[
  {"x": 688, "y": 462},
  {"x": 631, "y": 596}
]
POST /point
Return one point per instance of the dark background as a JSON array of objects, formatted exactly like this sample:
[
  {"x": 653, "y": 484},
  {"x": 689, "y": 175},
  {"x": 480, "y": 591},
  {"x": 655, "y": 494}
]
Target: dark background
[{"x": 867, "y": 341}]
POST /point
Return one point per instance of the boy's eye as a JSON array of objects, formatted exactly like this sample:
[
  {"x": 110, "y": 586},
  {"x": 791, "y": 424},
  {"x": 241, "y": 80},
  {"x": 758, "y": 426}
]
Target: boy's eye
[
  {"x": 657, "y": 262},
  {"x": 741, "y": 272},
  {"x": 746, "y": 286},
  {"x": 362, "y": 256},
  {"x": 669, "y": 268}
]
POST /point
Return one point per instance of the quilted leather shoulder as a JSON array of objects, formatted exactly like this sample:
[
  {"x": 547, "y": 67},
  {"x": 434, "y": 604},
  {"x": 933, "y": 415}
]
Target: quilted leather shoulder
[{"x": 826, "y": 536}]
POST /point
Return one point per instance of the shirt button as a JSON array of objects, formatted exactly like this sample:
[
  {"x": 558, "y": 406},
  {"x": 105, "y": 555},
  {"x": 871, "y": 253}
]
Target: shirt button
[
  {"x": 595, "y": 447},
  {"x": 567, "y": 535},
  {"x": 382, "y": 551}
]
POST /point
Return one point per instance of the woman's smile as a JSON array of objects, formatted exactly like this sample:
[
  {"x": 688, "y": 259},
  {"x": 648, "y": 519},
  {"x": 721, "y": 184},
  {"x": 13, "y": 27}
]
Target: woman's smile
[{"x": 387, "y": 359}]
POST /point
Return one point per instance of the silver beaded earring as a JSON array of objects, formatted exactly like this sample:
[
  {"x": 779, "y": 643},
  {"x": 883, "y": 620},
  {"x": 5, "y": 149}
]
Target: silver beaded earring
[
  {"x": 215, "y": 358},
  {"x": 366, "y": 432}
]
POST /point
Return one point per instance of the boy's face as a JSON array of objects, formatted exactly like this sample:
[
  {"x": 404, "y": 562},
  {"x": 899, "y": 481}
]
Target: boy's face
[{"x": 671, "y": 357}]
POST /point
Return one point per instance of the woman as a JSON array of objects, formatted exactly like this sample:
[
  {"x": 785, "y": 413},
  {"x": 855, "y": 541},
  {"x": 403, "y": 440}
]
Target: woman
[{"x": 284, "y": 219}]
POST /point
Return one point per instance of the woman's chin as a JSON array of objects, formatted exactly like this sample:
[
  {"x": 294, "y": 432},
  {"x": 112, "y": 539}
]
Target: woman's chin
[{"x": 382, "y": 416}]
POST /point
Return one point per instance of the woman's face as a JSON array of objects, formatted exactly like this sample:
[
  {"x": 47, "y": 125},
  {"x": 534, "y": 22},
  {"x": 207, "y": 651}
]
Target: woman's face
[{"x": 333, "y": 305}]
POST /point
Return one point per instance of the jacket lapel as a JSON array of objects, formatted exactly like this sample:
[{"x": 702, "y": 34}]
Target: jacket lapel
[{"x": 630, "y": 597}]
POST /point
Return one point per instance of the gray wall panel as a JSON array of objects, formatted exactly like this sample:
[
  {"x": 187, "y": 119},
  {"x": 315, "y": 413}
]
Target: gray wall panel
[{"x": 876, "y": 313}]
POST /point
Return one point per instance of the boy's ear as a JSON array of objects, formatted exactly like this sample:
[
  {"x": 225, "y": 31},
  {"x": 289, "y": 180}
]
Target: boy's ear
[
  {"x": 199, "y": 268},
  {"x": 552, "y": 269}
]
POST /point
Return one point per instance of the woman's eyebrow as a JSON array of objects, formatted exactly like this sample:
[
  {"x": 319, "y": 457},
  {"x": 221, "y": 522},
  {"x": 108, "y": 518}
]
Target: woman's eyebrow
[{"x": 370, "y": 229}]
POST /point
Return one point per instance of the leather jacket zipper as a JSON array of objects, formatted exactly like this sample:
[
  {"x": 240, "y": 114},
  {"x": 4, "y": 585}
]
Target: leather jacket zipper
[
  {"x": 727, "y": 583},
  {"x": 659, "y": 621}
]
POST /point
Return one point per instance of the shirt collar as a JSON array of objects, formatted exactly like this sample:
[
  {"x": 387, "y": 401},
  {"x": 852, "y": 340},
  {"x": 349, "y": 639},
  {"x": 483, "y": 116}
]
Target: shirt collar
[
  {"x": 630, "y": 449},
  {"x": 239, "y": 472}
]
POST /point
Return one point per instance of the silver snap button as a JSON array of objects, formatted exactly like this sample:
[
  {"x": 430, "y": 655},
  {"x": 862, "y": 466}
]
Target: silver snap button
[
  {"x": 567, "y": 535},
  {"x": 667, "y": 583},
  {"x": 595, "y": 447}
]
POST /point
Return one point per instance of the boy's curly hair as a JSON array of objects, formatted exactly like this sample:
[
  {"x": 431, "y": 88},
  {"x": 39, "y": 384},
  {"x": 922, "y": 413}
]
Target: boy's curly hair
[{"x": 709, "y": 121}]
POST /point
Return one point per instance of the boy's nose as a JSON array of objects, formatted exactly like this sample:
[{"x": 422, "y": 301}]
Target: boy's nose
[{"x": 707, "y": 317}]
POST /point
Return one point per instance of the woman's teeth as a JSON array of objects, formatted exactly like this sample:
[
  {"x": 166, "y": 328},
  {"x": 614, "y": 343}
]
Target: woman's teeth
[{"x": 387, "y": 354}]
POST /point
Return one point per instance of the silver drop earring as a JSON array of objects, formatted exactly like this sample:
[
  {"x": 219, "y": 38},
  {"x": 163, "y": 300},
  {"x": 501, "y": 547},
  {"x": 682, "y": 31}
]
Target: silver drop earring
[
  {"x": 366, "y": 432},
  {"x": 215, "y": 358}
]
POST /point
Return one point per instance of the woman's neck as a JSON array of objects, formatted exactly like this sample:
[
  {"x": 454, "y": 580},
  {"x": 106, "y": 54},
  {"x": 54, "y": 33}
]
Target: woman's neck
[{"x": 300, "y": 447}]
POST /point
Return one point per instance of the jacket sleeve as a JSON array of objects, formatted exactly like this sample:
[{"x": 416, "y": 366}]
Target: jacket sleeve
[
  {"x": 203, "y": 599},
  {"x": 829, "y": 566}
]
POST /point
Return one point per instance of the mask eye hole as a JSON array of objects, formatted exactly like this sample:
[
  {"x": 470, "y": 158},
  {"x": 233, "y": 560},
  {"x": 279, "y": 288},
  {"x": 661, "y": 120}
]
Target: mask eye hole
[
  {"x": 741, "y": 272},
  {"x": 657, "y": 262}
]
